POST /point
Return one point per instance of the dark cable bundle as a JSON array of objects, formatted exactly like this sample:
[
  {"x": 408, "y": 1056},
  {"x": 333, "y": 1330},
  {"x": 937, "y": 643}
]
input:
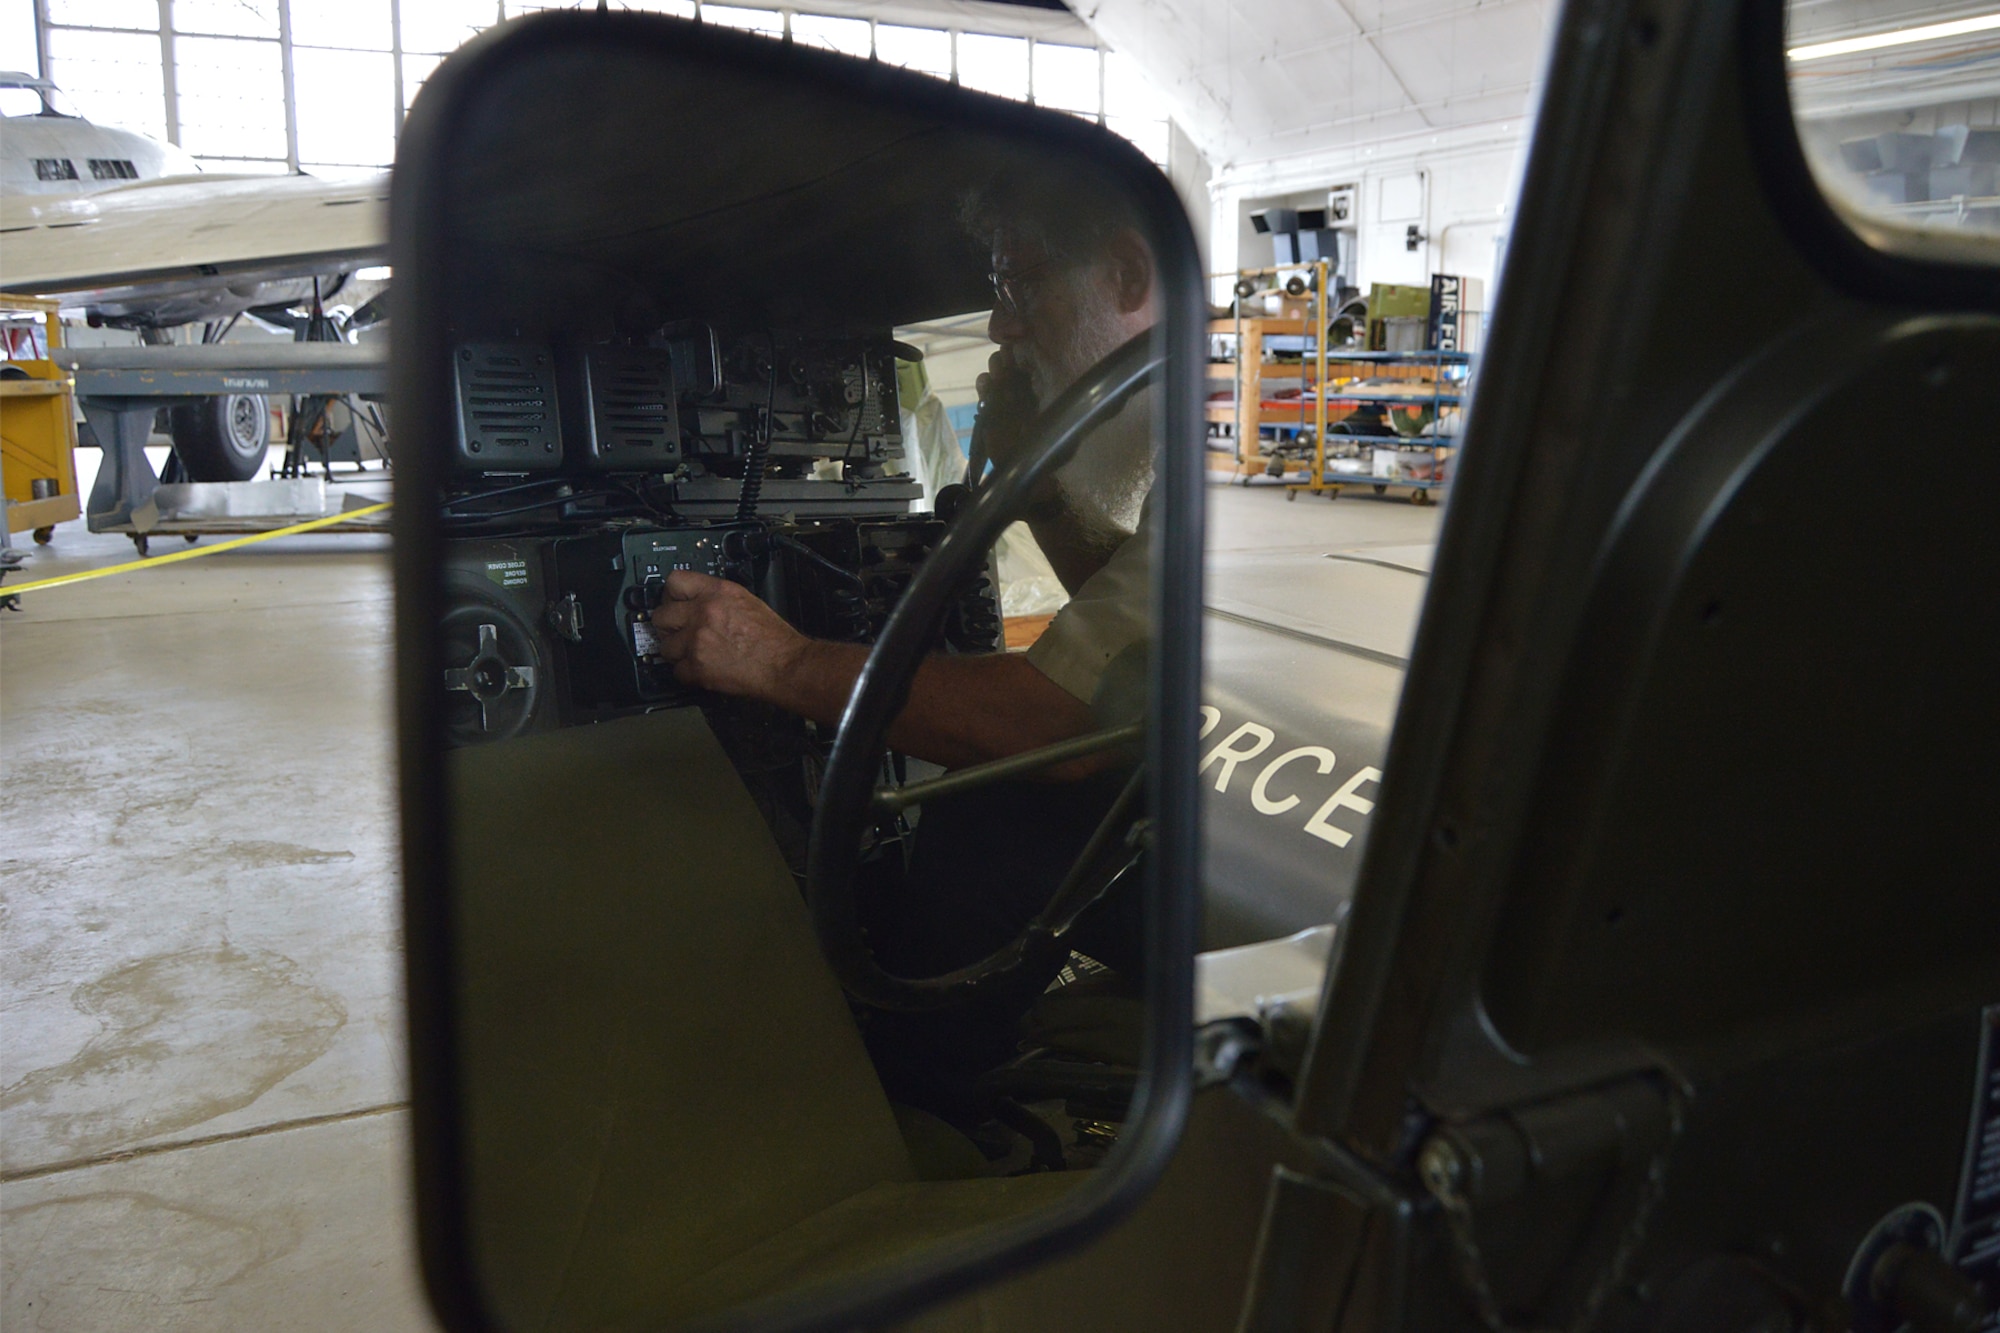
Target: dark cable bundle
[{"x": 760, "y": 447}]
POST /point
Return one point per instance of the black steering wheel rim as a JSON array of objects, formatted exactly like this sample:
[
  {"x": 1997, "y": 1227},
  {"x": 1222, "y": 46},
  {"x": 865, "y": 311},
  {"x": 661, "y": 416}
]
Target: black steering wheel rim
[{"x": 846, "y": 791}]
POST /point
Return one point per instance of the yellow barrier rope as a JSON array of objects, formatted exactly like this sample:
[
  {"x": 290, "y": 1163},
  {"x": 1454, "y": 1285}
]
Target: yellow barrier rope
[{"x": 193, "y": 552}]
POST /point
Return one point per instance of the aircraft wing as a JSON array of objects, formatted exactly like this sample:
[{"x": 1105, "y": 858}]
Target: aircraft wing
[{"x": 190, "y": 230}]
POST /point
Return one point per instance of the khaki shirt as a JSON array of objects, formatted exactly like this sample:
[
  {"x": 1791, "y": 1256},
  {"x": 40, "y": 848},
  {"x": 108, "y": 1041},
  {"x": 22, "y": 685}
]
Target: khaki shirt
[{"x": 1109, "y": 613}]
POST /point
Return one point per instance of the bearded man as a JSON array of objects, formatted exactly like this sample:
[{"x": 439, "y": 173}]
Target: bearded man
[{"x": 1073, "y": 280}]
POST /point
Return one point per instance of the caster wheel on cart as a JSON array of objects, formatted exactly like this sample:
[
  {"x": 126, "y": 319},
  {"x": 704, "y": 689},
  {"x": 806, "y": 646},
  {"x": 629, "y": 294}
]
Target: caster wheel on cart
[
  {"x": 1419, "y": 498},
  {"x": 191, "y": 537},
  {"x": 139, "y": 544},
  {"x": 1381, "y": 490},
  {"x": 1290, "y": 495},
  {"x": 43, "y": 536}
]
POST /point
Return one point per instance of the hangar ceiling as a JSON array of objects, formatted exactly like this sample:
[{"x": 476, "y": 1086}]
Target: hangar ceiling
[
  {"x": 1250, "y": 80},
  {"x": 1256, "y": 80}
]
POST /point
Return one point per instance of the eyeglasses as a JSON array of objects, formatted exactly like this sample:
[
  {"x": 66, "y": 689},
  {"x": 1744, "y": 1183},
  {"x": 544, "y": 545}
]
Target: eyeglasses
[{"x": 1013, "y": 291}]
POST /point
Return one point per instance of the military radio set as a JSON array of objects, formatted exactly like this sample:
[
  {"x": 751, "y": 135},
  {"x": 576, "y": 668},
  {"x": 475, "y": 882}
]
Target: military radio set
[{"x": 586, "y": 474}]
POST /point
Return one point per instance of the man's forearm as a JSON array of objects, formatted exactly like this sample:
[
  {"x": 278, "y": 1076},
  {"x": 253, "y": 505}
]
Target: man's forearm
[
  {"x": 961, "y": 710},
  {"x": 817, "y": 681}
]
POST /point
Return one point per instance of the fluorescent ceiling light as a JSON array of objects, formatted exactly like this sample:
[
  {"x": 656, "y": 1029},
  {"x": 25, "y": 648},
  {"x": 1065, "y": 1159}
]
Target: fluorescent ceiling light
[{"x": 1900, "y": 37}]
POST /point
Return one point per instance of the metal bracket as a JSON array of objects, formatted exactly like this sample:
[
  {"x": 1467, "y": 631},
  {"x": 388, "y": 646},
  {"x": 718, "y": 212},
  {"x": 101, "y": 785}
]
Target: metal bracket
[{"x": 1507, "y": 1156}]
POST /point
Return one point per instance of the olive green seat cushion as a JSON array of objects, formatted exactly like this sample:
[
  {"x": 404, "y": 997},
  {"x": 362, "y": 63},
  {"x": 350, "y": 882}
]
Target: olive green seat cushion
[{"x": 668, "y": 1107}]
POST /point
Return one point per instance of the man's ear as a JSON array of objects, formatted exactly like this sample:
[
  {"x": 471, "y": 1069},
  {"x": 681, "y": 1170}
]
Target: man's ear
[{"x": 1131, "y": 265}]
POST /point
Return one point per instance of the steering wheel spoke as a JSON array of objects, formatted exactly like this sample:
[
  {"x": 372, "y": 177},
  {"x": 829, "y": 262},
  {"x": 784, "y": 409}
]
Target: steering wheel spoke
[
  {"x": 895, "y": 800},
  {"x": 1115, "y": 847}
]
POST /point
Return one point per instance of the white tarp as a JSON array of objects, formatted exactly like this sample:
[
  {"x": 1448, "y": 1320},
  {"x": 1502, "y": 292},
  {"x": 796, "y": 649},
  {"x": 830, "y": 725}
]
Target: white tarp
[{"x": 1028, "y": 586}]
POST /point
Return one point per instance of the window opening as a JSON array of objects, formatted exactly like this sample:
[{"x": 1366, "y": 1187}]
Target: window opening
[{"x": 1898, "y": 112}]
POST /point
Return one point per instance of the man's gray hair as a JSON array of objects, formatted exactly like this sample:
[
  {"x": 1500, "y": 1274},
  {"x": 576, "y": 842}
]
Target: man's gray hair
[{"x": 1070, "y": 214}]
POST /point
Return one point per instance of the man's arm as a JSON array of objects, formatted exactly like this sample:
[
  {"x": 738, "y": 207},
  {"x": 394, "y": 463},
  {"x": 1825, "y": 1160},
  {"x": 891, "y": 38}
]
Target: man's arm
[{"x": 962, "y": 710}]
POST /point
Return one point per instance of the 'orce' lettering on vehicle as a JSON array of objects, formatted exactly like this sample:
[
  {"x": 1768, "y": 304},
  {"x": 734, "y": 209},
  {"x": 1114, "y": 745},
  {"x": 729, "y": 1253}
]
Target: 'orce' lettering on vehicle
[{"x": 1340, "y": 837}]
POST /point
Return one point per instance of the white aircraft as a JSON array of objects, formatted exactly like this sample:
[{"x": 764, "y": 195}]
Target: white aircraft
[
  {"x": 49, "y": 149},
  {"x": 133, "y": 233}
]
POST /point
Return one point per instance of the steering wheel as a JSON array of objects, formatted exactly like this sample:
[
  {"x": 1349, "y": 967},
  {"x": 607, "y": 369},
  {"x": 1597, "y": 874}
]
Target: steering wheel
[{"x": 848, "y": 802}]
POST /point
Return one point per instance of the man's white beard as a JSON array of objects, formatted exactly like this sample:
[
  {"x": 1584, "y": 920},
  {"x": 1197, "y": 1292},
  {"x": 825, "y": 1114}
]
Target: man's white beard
[{"x": 1105, "y": 484}]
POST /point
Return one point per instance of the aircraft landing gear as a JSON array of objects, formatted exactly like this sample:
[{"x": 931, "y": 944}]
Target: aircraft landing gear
[{"x": 224, "y": 438}]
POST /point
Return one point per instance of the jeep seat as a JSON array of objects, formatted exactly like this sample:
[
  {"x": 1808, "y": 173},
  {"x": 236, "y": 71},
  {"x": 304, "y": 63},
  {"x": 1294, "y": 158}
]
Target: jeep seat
[{"x": 669, "y": 1109}]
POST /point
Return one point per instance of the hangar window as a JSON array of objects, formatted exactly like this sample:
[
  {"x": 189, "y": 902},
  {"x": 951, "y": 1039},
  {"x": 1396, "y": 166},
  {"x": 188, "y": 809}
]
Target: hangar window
[
  {"x": 346, "y": 102},
  {"x": 232, "y": 97},
  {"x": 767, "y": 21},
  {"x": 227, "y": 18},
  {"x": 442, "y": 25},
  {"x": 1067, "y": 78},
  {"x": 231, "y": 105},
  {"x": 994, "y": 64},
  {"x": 1898, "y": 110},
  {"x": 139, "y": 15},
  {"x": 417, "y": 68},
  {"x": 847, "y": 36},
  {"x": 343, "y": 25},
  {"x": 926, "y": 50},
  {"x": 115, "y": 77}
]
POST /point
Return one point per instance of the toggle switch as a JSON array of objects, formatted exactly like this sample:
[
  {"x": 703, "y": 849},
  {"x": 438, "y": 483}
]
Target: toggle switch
[{"x": 645, "y": 596}]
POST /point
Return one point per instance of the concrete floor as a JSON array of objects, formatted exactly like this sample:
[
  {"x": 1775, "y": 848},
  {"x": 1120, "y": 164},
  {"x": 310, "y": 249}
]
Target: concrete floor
[{"x": 202, "y": 1100}]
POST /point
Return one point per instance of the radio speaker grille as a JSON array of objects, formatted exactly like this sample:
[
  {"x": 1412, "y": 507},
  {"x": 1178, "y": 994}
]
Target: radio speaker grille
[{"x": 507, "y": 408}]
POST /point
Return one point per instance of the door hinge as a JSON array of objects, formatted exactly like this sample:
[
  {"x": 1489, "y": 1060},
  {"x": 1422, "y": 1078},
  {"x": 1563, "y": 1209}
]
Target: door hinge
[{"x": 1575, "y": 1164}]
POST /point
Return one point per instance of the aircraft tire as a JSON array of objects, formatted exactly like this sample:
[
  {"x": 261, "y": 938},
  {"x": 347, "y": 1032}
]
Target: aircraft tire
[{"x": 223, "y": 438}]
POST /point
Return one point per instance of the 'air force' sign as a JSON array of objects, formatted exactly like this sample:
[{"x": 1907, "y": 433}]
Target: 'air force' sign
[{"x": 1447, "y": 311}]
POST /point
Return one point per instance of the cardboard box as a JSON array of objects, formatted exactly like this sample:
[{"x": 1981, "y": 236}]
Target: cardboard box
[{"x": 1412, "y": 466}]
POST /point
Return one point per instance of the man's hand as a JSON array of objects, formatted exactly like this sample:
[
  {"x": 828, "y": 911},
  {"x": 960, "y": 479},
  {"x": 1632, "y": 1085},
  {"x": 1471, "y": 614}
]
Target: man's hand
[
  {"x": 1007, "y": 408},
  {"x": 720, "y": 636}
]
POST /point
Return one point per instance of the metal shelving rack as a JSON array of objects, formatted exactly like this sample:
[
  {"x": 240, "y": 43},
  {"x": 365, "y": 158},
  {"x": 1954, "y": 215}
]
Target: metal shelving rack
[{"x": 1248, "y": 414}]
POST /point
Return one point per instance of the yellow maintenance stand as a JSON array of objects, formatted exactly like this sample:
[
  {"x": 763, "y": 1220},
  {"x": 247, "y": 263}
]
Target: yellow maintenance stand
[
  {"x": 37, "y": 419},
  {"x": 1319, "y": 485}
]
